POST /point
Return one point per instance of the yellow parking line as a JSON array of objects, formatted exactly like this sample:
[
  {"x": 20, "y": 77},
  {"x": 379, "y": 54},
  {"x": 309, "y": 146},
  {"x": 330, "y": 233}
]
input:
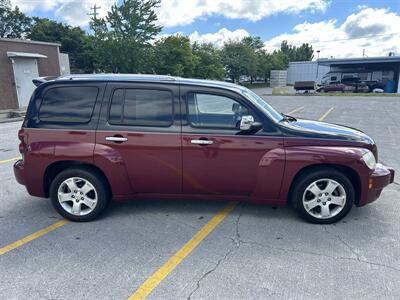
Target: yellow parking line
[
  {"x": 10, "y": 159},
  {"x": 154, "y": 280},
  {"x": 32, "y": 237},
  {"x": 326, "y": 114},
  {"x": 295, "y": 110}
]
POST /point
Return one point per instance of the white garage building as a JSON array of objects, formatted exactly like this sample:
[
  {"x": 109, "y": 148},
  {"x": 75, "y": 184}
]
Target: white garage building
[{"x": 305, "y": 71}]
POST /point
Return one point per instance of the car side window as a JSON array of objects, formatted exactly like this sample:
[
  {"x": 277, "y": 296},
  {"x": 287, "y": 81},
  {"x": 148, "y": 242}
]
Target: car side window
[
  {"x": 141, "y": 107},
  {"x": 73, "y": 104},
  {"x": 214, "y": 111}
]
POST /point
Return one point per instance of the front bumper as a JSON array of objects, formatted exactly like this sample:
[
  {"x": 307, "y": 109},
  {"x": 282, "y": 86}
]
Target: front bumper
[
  {"x": 372, "y": 186},
  {"x": 19, "y": 171}
]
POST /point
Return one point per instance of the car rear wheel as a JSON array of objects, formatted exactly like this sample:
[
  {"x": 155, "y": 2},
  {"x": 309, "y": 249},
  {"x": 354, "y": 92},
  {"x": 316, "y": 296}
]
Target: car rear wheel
[
  {"x": 79, "y": 194},
  {"x": 323, "y": 196}
]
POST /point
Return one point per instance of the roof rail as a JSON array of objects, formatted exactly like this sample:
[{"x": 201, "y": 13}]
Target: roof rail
[{"x": 38, "y": 81}]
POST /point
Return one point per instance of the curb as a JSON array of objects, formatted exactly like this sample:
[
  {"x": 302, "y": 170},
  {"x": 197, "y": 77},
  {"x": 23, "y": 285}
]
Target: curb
[{"x": 11, "y": 120}]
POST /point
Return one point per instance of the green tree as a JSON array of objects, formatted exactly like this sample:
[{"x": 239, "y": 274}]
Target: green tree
[
  {"x": 290, "y": 53},
  {"x": 304, "y": 53},
  {"x": 122, "y": 40},
  {"x": 254, "y": 42},
  {"x": 73, "y": 40},
  {"x": 13, "y": 23},
  {"x": 174, "y": 56},
  {"x": 257, "y": 69},
  {"x": 238, "y": 59},
  {"x": 209, "y": 65}
]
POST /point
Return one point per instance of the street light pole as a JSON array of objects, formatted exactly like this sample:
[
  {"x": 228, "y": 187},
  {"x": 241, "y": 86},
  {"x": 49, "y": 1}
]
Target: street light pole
[{"x": 316, "y": 77}]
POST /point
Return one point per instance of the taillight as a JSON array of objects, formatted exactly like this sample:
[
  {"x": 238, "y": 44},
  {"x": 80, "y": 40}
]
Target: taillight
[
  {"x": 22, "y": 144},
  {"x": 21, "y": 134}
]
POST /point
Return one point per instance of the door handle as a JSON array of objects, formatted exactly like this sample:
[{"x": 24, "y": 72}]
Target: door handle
[
  {"x": 201, "y": 142},
  {"x": 118, "y": 139}
]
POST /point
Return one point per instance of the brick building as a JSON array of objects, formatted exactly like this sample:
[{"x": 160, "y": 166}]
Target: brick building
[{"x": 20, "y": 62}]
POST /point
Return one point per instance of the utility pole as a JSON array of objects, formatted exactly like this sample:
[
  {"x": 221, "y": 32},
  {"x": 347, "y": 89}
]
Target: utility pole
[{"x": 94, "y": 13}]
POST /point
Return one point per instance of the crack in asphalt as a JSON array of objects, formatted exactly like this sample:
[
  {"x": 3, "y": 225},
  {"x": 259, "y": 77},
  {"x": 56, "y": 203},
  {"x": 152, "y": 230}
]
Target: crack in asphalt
[
  {"x": 209, "y": 272},
  {"x": 358, "y": 259},
  {"x": 236, "y": 241}
]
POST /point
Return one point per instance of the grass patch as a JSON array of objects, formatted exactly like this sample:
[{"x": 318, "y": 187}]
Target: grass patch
[{"x": 333, "y": 94}]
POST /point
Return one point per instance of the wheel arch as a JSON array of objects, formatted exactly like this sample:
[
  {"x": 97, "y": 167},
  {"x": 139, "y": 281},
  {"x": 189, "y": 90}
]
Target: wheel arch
[
  {"x": 56, "y": 167},
  {"x": 350, "y": 173}
]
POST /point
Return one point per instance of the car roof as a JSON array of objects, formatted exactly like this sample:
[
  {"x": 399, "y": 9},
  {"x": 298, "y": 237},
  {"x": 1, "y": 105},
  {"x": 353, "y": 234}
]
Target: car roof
[{"x": 149, "y": 78}]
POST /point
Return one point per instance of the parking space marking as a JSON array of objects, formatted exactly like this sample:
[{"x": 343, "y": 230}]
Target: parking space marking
[
  {"x": 326, "y": 114},
  {"x": 154, "y": 280},
  {"x": 32, "y": 237},
  {"x": 9, "y": 160},
  {"x": 295, "y": 110}
]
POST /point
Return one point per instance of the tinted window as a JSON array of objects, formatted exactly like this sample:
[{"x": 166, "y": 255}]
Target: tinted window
[
  {"x": 141, "y": 107},
  {"x": 214, "y": 111},
  {"x": 68, "y": 104}
]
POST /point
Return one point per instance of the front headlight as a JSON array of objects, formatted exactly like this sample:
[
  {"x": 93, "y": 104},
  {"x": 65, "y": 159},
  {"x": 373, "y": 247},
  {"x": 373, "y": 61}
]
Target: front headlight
[{"x": 369, "y": 160}]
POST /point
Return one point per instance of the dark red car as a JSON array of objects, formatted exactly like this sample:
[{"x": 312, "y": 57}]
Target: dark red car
[
  {"x": 336, "y": 87},
  {"x": 88, "y": 139}
]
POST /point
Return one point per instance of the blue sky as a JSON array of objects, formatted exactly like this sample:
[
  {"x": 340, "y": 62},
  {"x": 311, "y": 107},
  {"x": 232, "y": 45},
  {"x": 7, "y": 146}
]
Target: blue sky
[
  {"x": 271, "y": 26},
  {"x": 312, "y": 21}
]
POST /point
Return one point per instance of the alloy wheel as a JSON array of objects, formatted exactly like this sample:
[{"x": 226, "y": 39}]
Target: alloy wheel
[
  {"x": 324, "y": 198},
  {"x": 77, "y": 196}
]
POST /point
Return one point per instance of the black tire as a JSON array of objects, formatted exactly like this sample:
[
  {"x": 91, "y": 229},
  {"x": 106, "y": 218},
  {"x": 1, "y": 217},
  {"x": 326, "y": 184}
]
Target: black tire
[
  {"x": 301, "y": 184},
  {"x": 95, "y": 179}
]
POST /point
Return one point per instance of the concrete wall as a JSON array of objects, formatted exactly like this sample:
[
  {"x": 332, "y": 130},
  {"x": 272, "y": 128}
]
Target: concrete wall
[
  {"x": 49, "y": 66},
  {"x": 305, "y": 71},
  {"x": 278, "y": 78}
]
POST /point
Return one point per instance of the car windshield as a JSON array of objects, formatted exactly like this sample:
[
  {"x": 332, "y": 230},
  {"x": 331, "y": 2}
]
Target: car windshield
[{"x": 262, "y": 104}]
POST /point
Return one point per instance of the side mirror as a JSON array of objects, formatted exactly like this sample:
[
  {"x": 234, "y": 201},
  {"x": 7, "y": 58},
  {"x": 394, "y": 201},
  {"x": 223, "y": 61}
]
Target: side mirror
[
  {"x": 246, "y": 122},
  {"x": 248, "y": 126}
]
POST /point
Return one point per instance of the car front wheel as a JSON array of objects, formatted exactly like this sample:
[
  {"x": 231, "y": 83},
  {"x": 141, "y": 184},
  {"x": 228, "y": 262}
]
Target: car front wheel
[
  {"x": 79, "y": 194},
  {"x": 323, "y": 196}
]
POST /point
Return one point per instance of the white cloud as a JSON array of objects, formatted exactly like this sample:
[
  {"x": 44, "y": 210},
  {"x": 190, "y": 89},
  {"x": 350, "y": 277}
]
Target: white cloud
[
  {"x": 73, "y": 12},
  {"x": 374, "y": 30},
  {"x": 218, "y": 38},
  {"x": 27, "y": 6},
  {"x": 183, "y": 12},
  {"x": 177, "y": 12}
]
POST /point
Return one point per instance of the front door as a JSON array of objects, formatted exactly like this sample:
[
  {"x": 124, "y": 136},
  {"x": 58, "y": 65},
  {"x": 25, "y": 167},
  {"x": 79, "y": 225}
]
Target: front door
[
  {"x": 219, "y": 161},
  {"x": 140, "y": 127},
  {"x": 25, "y": 69}
]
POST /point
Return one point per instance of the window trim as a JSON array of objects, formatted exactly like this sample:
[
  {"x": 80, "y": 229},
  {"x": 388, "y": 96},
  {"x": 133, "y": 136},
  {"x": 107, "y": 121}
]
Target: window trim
[
  {"x": 123, "y": 107},
  {"x": 62, "y": 87}
]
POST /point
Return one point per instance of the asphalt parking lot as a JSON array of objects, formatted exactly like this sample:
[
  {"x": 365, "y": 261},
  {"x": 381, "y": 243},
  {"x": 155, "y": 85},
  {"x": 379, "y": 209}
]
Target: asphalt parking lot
[{"x": 255, "y": 252}]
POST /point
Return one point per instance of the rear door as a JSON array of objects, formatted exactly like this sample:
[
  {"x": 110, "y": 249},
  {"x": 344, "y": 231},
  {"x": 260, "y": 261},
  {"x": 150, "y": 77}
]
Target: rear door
[{"x": 140, "y": 129}]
